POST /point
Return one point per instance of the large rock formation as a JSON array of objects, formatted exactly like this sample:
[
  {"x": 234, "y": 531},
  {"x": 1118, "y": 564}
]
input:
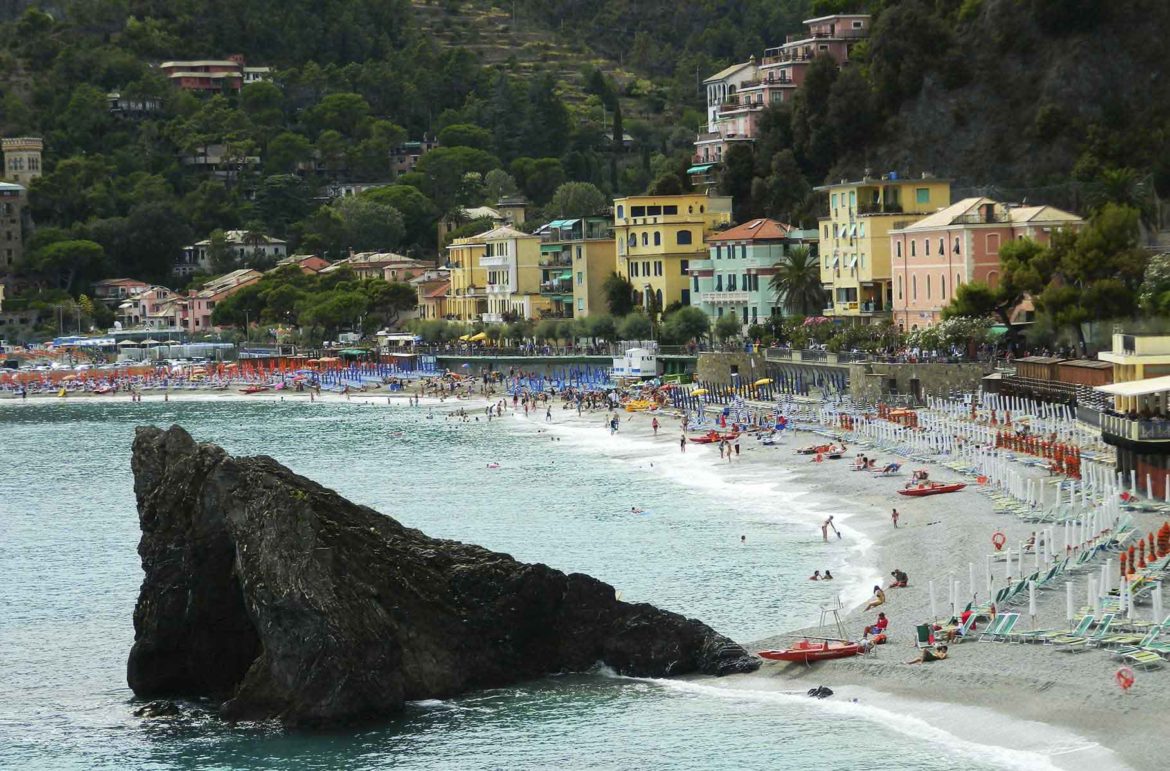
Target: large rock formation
[{"x": 286, "y": 600}]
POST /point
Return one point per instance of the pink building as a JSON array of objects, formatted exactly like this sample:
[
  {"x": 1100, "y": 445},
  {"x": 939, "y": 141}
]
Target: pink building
[
  {"x": 195, "y": 312},
  {"x": 931, "y": 257},
  {"x": 737, "y": 94}
]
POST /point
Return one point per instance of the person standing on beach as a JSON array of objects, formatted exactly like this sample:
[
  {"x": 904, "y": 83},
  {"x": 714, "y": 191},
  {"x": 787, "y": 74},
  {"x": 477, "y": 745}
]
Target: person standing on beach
[
  {"x": 737, "y": 445},
  {"x": 682, "y": 443},
  {"x": 654, "y": 425},
  {"x": 548, "y": 414},
  {"x": 894, "y": 517}
]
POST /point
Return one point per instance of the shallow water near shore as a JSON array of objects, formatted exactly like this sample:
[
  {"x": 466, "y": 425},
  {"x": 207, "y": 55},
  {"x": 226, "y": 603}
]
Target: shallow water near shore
[{"x": 562, "y": 495}]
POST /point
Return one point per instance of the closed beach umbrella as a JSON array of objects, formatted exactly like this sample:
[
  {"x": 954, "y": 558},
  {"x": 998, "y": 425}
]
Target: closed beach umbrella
[
  {"x": 1068, "y": 602},
  {"x": 971, "y": 577},
  {"x": 1157, "y": 597},
  {"x": 1032, "y": 601},
  {"x": 1091, "y": 587},
  {"x": 1007, "y": 565},
  {"x": 933, "y": 609}
]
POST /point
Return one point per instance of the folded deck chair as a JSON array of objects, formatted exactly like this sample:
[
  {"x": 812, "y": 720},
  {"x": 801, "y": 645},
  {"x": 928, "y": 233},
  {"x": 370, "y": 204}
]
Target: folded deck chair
[{"x": 1043, "y": 635}]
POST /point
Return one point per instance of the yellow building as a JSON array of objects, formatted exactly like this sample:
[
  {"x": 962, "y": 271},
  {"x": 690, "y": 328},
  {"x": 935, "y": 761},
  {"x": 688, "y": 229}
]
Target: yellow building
[
  {"x": 467, "y": 297},
  {"x": 576, "y": 257},
  {"x": 657, "y": 236},
  {"x": 855, "y": 245},
  {"x": 511, "y": 261}
]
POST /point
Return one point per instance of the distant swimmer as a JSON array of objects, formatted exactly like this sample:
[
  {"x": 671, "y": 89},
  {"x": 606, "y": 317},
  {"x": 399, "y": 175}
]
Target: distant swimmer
[
  {"x": 493, "y": 465},
  {"x": 635, "y": 510}
]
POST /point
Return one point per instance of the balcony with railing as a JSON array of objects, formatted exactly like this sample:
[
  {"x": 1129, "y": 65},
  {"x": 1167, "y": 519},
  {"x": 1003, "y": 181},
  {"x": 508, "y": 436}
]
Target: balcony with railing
[
  {"x": 499, "y": 288},
  {"x": 495, "y": 260},
  {"x": 556, "y": 259},
  {"x": 725, "y": 297},
  {"x": 557, "y": 287},
  {"x": 735, "y": 105},
  {"x": 1135, "y": 430},
  {"x": 880, "y": 207}
]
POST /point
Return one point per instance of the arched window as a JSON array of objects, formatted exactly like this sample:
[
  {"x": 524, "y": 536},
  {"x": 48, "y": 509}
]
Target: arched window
[
  {"x": 645, "y": 239},
  {"x": 993, "y": 279},
  {"x": 942, "y": 287},
  {"x": 956, "y": 245},
  {"x": 621, "y": 212},
  {"x": 683, "y": 237},
  {"x": 913, "y": 248},
  {"x": 898, "y": 248},
  {"x": 658, "y": 294},
  {"x": 657, "y": 238},
  {"x": 928, "y": 286},
  {"x": 926, "y": 246},
  {"x": 942, "y": 247},
  {"x": 914, "y": 287},
  {"x": 899, "y": 287},
  {"x": 633, "y": 240},
  {"x": 958, "y": 281}
]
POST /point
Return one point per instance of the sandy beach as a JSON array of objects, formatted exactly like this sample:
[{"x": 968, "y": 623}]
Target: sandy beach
[{"x": 986, "y": 692}]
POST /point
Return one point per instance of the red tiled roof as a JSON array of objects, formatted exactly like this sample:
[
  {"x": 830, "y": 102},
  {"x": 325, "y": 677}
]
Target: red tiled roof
[
  {"x": 440, "y": 290},
  {"x": 754, "y": 230}
]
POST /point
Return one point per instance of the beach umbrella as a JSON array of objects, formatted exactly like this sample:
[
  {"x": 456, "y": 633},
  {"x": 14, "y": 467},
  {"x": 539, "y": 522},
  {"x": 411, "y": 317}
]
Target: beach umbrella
[
  {"x": 1091, "y": 587},
  {"x": 763, "y": 381},
  {"x": 1157, "y": 597},
  {"x": 1032, "y": 601},
  {"x": 971, "y": 577},
  {"x": 1007, "y": 565},
  {"x": 1068, "y": 602},
  {"x": 988, "y": 576},
  {"x": 933, "y": 609},
  {"x": 127, "y": 344}
]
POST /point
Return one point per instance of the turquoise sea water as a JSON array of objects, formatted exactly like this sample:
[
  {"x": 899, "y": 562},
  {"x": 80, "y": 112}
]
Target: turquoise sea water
[{"x": 69, "y": 576}]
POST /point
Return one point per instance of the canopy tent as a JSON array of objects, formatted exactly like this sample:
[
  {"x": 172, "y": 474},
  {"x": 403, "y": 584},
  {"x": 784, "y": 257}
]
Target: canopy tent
[
  {"x": 353, "y": 352},
  {"x": 127, "y": 344},
  {"x": 478, "y": 337},
  {"x": 150, "y": 341}
]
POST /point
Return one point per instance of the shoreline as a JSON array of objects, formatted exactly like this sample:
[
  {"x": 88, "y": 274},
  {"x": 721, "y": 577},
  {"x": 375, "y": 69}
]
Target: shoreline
[{"x": 936, "y": 535}]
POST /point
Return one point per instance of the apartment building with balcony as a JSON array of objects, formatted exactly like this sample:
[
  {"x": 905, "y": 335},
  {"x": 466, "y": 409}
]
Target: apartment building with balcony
[
  {"x": 935, "y": 255},
  {"x": 855, "y": 239},
  {"x": 1138, "y": 424},
  {"x": 738, "y": 94},
  {"x": 576, "y": 256},
  {"x": 511, "y": 261},
  {"x": 467, "y": 295},
  {"x": 658, "y": 236},
  {"x": 735, "y": 277}
]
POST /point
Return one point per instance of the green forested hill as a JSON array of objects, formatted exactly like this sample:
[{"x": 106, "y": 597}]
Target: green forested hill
[{"x": 1057, "y": 100}]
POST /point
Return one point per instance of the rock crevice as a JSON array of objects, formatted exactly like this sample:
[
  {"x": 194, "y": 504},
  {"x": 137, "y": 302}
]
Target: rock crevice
[{"x": 282, "y": 599}]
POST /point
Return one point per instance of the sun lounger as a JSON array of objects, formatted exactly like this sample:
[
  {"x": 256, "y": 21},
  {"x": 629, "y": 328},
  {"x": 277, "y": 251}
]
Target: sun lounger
[
  {"x": 999, "y": 626},
  {"x": 1077, "y": 644},
  {"x": 923, "y": 636},
  {"x": 1005, "y": 631},
  {"x": 1125, "y": 649},
  {"x": 1043, "y": 635},
  {"x": 1144, "y": 660}
]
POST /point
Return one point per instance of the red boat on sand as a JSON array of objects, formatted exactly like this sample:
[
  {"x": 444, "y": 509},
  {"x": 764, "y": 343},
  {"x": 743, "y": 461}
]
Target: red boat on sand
[
  {"x": 711, "y": 437},
  {"x": 807, "y": 651},
  {"x": 253, "y": 389},
  {"x": 933, "y": 488}
]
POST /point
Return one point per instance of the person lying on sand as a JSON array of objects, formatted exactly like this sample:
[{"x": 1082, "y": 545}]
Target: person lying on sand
[{"x": 929, "y": 655}]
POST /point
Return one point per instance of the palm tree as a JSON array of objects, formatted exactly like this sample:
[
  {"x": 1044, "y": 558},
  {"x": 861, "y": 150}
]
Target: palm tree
[{"x": 797, "y": 283}]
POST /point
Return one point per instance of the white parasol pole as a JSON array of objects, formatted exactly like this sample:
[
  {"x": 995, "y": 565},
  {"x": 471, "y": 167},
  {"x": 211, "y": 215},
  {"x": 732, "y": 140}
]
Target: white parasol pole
[
  {"x": 1068, "y": 603},
  {"x": 933, "y": 609},
  {"x": 971, "y": 578},
  {"x": 1157, "y": 597},
  {"x": 989, "y": 594},
  {"x": 1007, "y": 566},
  {"x": 1091, "y": 586},
  {"x": 1032, "y": 602}
]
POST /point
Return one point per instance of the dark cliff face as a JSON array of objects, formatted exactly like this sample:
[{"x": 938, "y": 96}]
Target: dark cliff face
[{"x": 281, "y": 597}]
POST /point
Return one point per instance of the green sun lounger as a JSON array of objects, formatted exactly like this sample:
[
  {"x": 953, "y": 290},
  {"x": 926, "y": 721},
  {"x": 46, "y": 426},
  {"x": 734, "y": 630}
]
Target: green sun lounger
[
  {"x": 1043, "y": 635},
  {"x": 1123, "y": 650},
  {"x": 993, "y": 627},
  {"x": 1076, "y": 644},
  {"x": 1145, "y": 660},
  {"x": 922, "y": 635}
]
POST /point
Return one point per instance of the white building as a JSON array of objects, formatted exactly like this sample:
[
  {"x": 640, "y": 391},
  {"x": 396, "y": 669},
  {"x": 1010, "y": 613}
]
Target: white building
[{"x": 243, "y": 245}]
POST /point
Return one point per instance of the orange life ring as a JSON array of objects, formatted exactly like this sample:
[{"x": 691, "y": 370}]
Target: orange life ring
[
  {"x": 998, "y": 539},
  {"x": 1124, "y": 678}
]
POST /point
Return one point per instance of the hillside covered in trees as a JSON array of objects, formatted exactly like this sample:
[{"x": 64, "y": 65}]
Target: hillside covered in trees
[{"x": 1063, "y": 101}]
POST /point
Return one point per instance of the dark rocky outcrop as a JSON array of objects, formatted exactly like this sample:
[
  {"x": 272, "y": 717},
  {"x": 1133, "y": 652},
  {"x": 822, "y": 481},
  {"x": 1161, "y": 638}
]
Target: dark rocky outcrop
[{"x": 285, "y": 600}]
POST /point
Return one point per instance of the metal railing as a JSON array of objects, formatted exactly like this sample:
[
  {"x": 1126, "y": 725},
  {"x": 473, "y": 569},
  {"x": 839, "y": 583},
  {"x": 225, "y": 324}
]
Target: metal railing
[{"x": 1135, "y": 430}]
